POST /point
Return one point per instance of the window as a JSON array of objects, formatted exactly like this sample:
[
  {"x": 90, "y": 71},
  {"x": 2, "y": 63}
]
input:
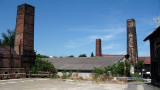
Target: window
[
  {"x": 5, "y": 72},
  {"x": 16, "y": 72}
]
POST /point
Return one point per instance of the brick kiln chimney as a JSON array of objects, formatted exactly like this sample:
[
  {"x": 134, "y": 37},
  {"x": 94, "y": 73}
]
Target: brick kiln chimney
[
  {"x": 24, "y": 38},
  {"x": 132, "y": 41},
  {"x": 98, "y": 47}
]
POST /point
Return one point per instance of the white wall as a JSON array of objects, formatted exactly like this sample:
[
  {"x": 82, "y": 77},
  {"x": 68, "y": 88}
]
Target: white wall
[{"x": 80, "y": 74}]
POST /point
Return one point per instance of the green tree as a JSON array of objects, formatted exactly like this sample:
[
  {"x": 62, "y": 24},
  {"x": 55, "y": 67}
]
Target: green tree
[
  {"x": 92, "y": 55},
  {"x": 97, "y": 72},
  {"x": 41, "y": 56},
  {"x": 8, "y": 39},
  {"x": 71, "y": 56},
  {"x": 82, "y": 55},
  {"x": 0, "y": 43},
  {"x": 139, "y": 65},
  {"x": 43, "y": 65},
  {"x": 120, "y": 68}
]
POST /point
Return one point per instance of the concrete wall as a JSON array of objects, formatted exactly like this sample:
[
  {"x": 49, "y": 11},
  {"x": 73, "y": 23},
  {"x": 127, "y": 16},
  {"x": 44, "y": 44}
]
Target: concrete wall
[{"x": 84, "y": 75}]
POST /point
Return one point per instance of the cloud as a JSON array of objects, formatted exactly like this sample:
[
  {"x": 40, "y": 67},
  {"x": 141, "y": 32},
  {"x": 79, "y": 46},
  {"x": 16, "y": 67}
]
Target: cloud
[
  {"x": 108, "y": 30},
  {"x": 103, "y": 34},
  {"x": 104, "y": 37},
  {"x": 111, "y": 46},
  {"x": 77, "y": 43}
]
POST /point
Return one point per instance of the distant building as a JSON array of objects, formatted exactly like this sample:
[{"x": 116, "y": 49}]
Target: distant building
[
  {"x": 154, "y": 39},
  {"x": 147, "y": 66}
]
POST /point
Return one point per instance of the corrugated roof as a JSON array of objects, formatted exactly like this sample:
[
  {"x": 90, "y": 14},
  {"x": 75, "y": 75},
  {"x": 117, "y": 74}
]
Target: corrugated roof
[
  {"x": 6, "y": 50},
  {"x": 146, "y": 60},
  {"x": 83, "y": 63}
]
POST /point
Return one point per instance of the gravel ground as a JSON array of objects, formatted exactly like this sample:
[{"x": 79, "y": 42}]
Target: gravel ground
[{"x": 56, "y": 84}]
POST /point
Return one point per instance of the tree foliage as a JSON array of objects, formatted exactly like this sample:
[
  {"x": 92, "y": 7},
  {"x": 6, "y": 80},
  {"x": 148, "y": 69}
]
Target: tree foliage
[
  {"x": 71, "y": 56},
  {"x": 92, "y": 55},
  {"x": 114, "y": 70},
  {"x": 43, "y": 65},
  {"x": 82, "y": 55},
  {"x": 41, "y": 56},
  {"x": 139, "y": 65},
  {"x": 8, "y": 38}
]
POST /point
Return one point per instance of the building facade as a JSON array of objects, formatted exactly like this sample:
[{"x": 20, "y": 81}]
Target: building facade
[{"x": 154, "y": 39}]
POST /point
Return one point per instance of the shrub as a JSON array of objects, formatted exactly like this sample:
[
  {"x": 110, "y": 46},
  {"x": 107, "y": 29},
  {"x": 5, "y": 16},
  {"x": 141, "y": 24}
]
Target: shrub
[
  {"x": 97, "y": 72},
  {"x": 135, "y": 75},
  {"x": 115, "y": 70},
  {"x": 43, "y": 65},
  {"x": 120, "y": 68},
  {"x": 64, "y": 72}
]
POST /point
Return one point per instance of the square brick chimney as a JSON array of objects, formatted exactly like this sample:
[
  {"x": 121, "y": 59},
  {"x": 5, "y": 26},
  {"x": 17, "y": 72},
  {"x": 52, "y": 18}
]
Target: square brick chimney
[{"x": 98, "y": 47}]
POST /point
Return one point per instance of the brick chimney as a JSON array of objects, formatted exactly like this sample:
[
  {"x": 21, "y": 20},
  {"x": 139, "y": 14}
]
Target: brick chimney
[
  {"x": 98, "y": 47},
  {"x": 24, "y": 38},
  {"x": 132, "y": 41}
]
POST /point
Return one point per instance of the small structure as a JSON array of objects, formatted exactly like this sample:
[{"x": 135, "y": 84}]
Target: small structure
[{"x": 154, "y": 39}]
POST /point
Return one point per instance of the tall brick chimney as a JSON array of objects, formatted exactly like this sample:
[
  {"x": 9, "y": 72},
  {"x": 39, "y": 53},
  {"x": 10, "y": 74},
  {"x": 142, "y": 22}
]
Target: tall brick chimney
[
  {"x": 24, "y": 38},
  {"x": 98, "y": 47},
  {"x": 132, "y": 41},
  {"x": 24, "y": 29}
]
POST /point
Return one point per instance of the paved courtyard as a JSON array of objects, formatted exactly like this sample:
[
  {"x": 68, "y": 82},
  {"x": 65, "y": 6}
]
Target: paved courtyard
[{"x": 58, "y": 84}]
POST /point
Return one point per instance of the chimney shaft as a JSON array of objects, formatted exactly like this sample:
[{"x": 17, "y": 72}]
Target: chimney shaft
[
  {"x": 132, "y": 40},
  {"x": 98, "y": 47}
]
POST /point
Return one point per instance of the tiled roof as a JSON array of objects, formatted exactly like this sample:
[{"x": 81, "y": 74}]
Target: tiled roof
[
  {"x": 6, "y": 50},
  {"x": 146, "y": 60},
  {"x": 111, "y": 55},
  {"x": 83, "y": 63}
]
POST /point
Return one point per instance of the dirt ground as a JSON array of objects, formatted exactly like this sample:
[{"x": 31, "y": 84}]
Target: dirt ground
[{"x": 57, "y": 84}]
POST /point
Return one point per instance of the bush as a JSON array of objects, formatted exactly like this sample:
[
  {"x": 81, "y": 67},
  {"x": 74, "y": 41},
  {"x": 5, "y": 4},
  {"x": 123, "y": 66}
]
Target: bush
[
  {"x": 65, "y": 75},
  {"x": 82, "y": 55},
  {"x": 135, "y": 75},
  {"x": 42, "y": 65},
  {"x": 97, "y": 72},
  {"x": 115, "y": 70},
  {"x": 120, "y": 68}
]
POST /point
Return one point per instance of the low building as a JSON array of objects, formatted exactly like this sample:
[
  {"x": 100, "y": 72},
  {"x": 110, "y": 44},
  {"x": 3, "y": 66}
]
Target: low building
[
  {"x": 147, "y": 66},
  {"x": 10, "y": 64},
  {"x": 154, "y": 39},
  {"x": 83, "y": 65}
]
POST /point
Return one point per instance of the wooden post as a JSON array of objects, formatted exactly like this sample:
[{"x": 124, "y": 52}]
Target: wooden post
[{"x": 125, "y": 67}]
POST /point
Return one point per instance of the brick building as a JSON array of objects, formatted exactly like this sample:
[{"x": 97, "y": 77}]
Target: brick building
[{"x": 15, "y": 63}]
